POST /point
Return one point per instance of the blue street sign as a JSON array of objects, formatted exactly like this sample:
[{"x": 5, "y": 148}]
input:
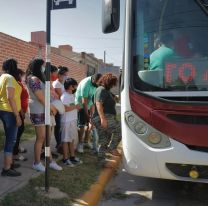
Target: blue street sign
[{"x": 63, "y": 4}]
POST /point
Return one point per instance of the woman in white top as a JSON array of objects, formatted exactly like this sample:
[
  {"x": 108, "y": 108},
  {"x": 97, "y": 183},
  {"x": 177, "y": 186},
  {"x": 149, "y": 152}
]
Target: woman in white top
[{"x": 58, "y": 85}]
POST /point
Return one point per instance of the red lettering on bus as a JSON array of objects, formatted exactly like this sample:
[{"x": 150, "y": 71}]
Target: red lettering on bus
[
  {"x": 205, "y": 76},
  {"x": 168, "y": 72},
  {"x": 192, "y": 72}
]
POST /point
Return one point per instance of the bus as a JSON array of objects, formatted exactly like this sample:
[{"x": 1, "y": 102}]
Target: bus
[{"x": 164, "y": 87}]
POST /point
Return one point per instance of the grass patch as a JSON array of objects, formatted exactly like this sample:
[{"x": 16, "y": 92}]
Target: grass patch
[
  {"x": 28, "y": 133},
  {"x": 72, "y": 181}
]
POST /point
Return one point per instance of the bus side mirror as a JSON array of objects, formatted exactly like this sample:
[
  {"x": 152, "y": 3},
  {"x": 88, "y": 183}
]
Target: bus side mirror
[{"x": 110, "y": 15}]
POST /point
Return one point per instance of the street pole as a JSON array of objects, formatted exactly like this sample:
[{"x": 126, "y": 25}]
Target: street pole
[
  {"x": 47, "y": 92},
  {"x": 104, "y": 56},
  {"x": 104, "y": 61}
]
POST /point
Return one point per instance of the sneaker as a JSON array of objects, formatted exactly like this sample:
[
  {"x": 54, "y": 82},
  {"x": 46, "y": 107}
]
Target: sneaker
[
  {"x": 20, "y": 158},
  {"x": 22, "y": 150},
  {"x": 10, "y": 173},
  {"x": 115, "y": 152},
  {"x": 88, "y": 145},
  {"x": 55, "y": 166},
  {"x": 80, "y": 148},
  {"x": 39, "y": 167},
  {"x": 75, "y": 160},
  {"x": 95, "y": 152},
  {"x": 68, "y": 163}
]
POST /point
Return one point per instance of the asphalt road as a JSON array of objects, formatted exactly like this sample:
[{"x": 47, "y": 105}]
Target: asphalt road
[{"x": 128, "y": 190}]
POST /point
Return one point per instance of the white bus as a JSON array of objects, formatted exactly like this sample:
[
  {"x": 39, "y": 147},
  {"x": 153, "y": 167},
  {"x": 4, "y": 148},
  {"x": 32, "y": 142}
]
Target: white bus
[{"x": 164, "y": 88}]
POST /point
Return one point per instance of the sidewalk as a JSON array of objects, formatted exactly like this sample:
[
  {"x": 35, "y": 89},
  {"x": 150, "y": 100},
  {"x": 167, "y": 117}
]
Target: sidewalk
[
  {"x": 10, "y": 184},
  {"x": 90, "y": 197}
]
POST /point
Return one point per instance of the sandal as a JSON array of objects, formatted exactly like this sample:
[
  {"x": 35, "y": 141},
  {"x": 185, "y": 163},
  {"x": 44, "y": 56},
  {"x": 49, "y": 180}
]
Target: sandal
[
  {"x": 115, "y": 153},
  {"x": 20, "y": 158},
  {"x": 22, "y": 150}
]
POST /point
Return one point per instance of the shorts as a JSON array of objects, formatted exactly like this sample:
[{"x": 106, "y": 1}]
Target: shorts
[
  {"x": 82, "y": 120},
  {"x": 37, "y": 119},
  {"x": 69, "y": 131}
]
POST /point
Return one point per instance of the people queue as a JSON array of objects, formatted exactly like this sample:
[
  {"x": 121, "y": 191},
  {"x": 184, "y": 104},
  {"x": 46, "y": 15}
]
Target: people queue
[{"x": 82, "y": 114}]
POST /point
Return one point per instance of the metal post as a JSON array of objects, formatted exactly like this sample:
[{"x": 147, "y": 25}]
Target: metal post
[
  {"x": 104, "y": 61},
  {"x": 47, "y": 92},
  {"x": 104, "y": 56}
]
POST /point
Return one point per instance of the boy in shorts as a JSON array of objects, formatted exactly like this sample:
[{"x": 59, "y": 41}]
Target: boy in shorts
[{"x": 69, "y": 131}]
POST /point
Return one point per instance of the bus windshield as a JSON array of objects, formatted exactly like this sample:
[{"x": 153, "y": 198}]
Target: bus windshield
[{"x": 169, "y": 45}]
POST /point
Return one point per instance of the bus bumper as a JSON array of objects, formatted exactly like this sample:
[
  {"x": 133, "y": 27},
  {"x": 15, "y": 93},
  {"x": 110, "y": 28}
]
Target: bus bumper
[{"x": 177, "y": 162}]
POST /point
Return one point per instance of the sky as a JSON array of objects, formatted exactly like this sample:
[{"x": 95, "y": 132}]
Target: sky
[{"x": 79, "y": 27}]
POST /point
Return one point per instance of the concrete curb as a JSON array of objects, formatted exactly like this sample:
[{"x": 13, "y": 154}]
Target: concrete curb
[{"x": 93, "y": 195}]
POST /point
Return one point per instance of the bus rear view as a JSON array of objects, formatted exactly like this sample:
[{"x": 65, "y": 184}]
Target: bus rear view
[{"x": 164, "y": 110}]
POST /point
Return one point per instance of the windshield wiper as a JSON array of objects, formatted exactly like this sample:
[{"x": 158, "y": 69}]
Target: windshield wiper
[{"x": 203, "y": 4}]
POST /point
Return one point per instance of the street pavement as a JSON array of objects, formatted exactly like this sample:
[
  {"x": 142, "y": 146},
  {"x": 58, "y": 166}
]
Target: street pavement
[
  {"x": 125, "y": 189},
  {"x": 10, "y": 184}
]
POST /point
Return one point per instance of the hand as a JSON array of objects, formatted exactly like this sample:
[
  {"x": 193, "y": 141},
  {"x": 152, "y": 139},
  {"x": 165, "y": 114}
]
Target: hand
[
  {"x": 18, "y": 121},
  {"x": 104, "y": 123},
  {"x": 22, "y": 114},
  {"x": 78, "y": 106},
  {"x": 91, "y": 123},
  {"x": 53, "y": 110},
  {"x": 116, "y": 99}
]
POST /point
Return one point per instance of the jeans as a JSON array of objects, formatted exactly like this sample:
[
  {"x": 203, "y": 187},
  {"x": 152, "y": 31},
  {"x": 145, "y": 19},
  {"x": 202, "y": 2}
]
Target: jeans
[
  {"x": 10, "y": 129},
  {"x": 19, "y": 134}
]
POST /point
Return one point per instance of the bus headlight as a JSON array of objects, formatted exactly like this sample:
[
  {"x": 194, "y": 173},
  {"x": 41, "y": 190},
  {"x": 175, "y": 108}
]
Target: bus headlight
[
  {"x": 146, "y": 132},
  {"x": 154, "y": 138},
  {"x": 140, "y": 128}
]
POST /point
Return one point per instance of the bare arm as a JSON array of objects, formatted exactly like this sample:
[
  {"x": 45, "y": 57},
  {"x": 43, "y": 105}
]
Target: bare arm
[
  {"x": 92, "y": 109},
  {"x": 39, "y": 94},
  {"x": 100, "y": 110},
  {"x": 72, "y": 107},
  {"x": 58, "y": 92},
  {"x": 10, "y": 96}
]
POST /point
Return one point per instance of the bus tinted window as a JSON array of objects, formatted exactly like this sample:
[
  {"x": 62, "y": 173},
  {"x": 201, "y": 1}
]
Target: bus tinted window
[{"x": 170, "y": 51}]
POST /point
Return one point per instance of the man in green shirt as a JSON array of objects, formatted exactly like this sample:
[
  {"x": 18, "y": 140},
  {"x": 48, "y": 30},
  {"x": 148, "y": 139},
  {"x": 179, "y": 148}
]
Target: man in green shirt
[
  {"x": 84, "y": 97},
  {"x": 164, "y": 52}
]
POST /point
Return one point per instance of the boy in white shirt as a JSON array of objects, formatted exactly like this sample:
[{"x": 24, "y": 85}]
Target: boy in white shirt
[{"x": 69, "y": 131}]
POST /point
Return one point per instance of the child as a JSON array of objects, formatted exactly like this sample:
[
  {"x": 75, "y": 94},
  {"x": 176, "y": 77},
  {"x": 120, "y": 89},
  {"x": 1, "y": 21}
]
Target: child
[{"x": 69, "y": 132}]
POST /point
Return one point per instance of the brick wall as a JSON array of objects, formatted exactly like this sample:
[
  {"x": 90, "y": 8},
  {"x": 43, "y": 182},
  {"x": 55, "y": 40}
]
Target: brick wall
[{"x": 23, "y": 52}]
